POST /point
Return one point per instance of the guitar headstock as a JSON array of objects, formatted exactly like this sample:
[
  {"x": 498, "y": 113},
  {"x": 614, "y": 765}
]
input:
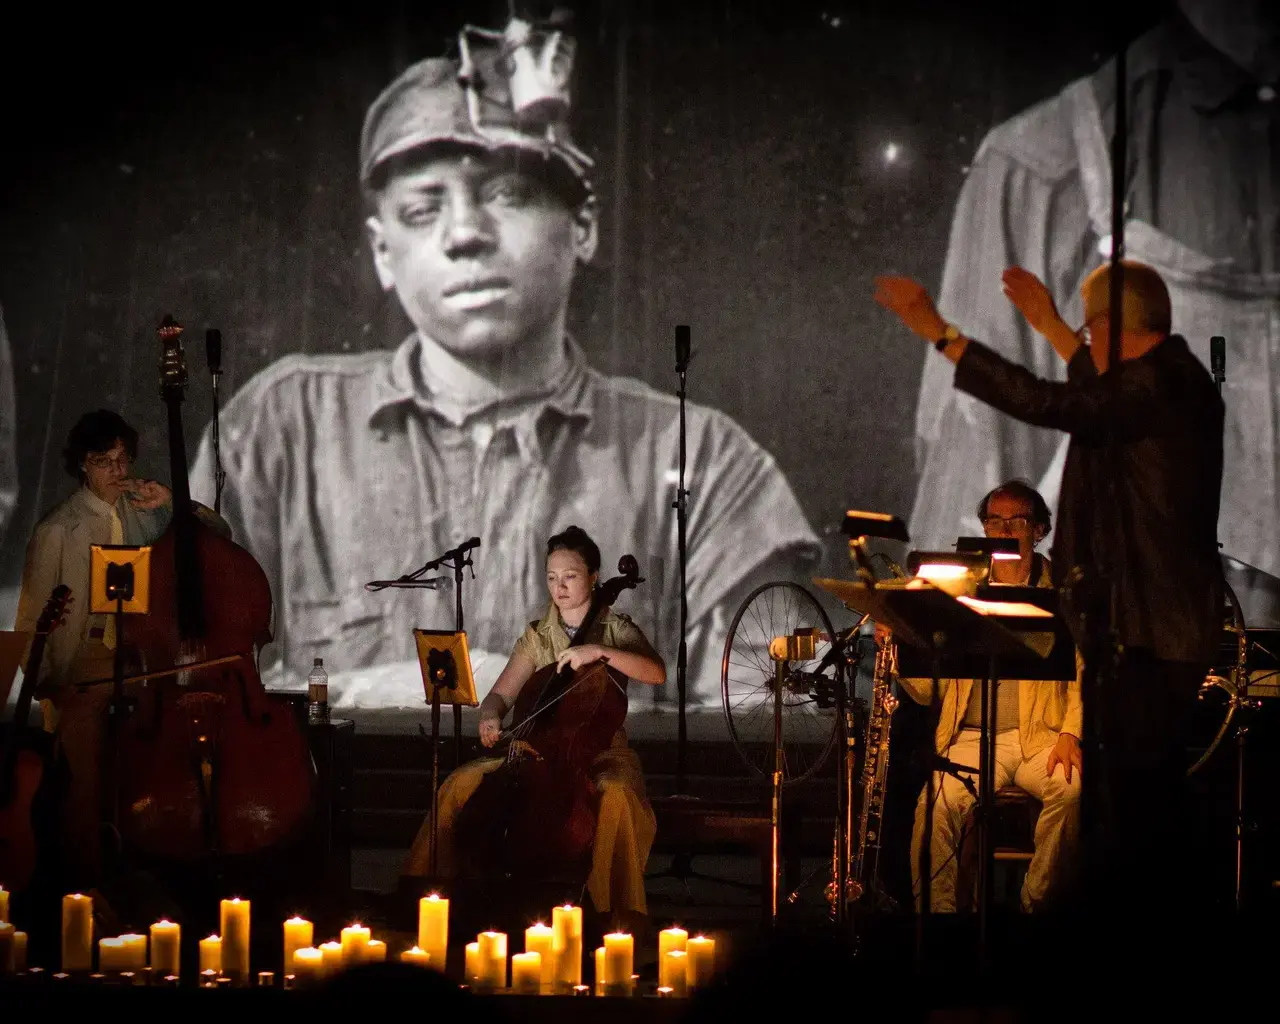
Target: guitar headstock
[
  {"x": 173, "y": 365},
  {"x": 54, "y": 609}
]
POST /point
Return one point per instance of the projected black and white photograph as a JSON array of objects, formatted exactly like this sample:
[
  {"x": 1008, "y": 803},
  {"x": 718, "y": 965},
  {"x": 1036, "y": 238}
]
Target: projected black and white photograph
[{"x": 721, "y": 362}]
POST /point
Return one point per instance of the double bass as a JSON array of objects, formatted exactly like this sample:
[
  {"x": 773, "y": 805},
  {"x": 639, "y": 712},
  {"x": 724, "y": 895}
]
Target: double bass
[
  {"x": 208, "y": 764},
  {"x": 535, "y": 815}
]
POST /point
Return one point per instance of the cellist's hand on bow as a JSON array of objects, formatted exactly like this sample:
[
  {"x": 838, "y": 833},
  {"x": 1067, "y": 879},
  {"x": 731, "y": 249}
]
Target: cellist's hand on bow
[
  {"x": 490, "y": 729},
  {"x": 576, "y": 657}
]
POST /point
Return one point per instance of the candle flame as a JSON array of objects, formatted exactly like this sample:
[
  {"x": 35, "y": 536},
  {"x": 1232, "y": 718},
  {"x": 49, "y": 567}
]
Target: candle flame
[{"x": 434, "y": 896}]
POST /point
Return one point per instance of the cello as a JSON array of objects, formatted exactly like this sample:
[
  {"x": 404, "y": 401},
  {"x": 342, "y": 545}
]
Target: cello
[
  {"x": 208, "y": 763},
  {"x": 26, "y": 827},
  {"x": 536, "y": 813}
]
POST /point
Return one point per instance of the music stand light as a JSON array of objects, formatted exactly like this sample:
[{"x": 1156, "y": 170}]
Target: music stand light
[{"x": 445, "y": 661}]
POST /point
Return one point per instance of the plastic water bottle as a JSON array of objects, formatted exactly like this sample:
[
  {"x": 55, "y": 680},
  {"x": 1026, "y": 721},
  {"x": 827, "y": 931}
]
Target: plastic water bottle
[{"x": 318, "y": 694}]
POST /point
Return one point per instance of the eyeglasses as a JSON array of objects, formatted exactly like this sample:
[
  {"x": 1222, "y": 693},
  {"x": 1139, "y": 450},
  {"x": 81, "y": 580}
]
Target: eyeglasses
[
  {"x": 107, "y": 461},
  {"x": 1006, "y": 524}
]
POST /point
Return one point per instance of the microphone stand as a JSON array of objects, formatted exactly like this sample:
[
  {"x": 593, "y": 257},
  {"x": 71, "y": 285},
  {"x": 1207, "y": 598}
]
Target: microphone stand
[
  {"x": 455, "y": 559},
  {"x": 681, "y": 506},
  {"x": 1103, "y": 650},
  {"x": 213, "y": 356}
]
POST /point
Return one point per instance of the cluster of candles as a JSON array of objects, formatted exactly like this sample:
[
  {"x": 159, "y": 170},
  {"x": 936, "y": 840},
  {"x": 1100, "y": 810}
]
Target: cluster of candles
[
  {"x": 550, "y": 964},
  {"x": 552, "y": 960}
]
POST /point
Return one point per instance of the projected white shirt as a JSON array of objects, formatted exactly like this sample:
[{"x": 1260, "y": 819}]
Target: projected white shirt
[{"x": 338, "y": 473}]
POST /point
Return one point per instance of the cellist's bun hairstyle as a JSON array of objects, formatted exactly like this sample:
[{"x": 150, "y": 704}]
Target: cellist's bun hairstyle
[{"x": 576, "y": 539}]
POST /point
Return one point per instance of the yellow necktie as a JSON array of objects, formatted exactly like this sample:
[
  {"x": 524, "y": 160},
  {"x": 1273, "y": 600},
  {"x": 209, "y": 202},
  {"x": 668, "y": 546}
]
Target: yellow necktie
[{"x": 117, "y": 537}]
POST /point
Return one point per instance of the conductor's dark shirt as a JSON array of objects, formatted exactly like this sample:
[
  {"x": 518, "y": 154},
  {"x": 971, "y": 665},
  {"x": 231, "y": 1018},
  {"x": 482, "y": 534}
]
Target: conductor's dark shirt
[{"x": 1161, "y": 535}]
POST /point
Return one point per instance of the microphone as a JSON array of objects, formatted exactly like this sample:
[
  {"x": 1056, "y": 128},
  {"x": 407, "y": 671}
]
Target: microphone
[
  {"x": 466, "y": 546},
  {"x": 682, "y": 348},
  {"x": 213, "y": 349},
  {"x": 1218, "y": 357}
]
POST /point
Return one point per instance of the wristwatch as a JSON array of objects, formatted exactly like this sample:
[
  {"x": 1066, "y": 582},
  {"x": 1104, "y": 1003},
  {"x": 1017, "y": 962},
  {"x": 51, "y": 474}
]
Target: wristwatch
[{"x": 952, "y": 333}]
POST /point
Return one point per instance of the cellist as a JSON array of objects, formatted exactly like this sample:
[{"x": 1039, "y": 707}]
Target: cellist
[{"x": 625, "y": 824}]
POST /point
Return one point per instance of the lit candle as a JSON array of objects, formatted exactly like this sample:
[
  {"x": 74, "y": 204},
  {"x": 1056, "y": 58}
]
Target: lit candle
[
  {"x": 4, "y": 904},
  {"x": 166, "y": 947},
  {"x": 702, "y": 960},
  {"x": 77, "y": 933},
  {"x": 566, "y": 924},
  {"x": 7, "y": 942},
  {"x": 493, "y": 959},
  {"x": 526, "y": 973},
  {"x": 211, "y": 955},
  {"x": 298, "y": 933},
  {"x": 418, "y": 957},
  {"x": 307, "y": 964},
  {"x": 669, "y": 939},
  {"x": 538, "y": 938},
  {"x": 433, "y": 928},
  {"x": 472, "y": 971},
  {"x": 135, "y": 952},
  {"x": 673, "y": 971},
  {"x": 111, "y": 955},
  {"x": 355, "y": 940},
  {"x": 619, "y": 953},
  {"x": 19, "y": 951},
  {"x": 332, "y": 957},
  {"x": 375, "y": 952},
  {"x": 600, "y": 970},
  {"x": 235, "y": 940}
]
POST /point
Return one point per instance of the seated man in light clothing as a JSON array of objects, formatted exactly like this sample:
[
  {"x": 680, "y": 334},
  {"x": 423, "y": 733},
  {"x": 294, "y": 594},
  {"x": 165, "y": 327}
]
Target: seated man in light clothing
[{"x": 1036, "y": 732}]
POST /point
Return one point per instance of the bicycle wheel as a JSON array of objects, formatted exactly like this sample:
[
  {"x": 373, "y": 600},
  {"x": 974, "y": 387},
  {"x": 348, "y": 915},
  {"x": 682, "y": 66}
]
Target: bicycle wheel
[{"x": 747, "y": 683}]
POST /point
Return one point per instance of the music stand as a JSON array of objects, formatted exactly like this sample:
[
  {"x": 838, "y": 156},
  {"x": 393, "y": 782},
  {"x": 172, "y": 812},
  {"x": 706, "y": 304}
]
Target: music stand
[
  {"x": 446, "y": 675},
  {"x": 924, "y": 616}
]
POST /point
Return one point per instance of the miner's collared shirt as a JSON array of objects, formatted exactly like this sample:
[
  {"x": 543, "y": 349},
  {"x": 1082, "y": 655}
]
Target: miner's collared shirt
[{"x": 339, "y": 471}]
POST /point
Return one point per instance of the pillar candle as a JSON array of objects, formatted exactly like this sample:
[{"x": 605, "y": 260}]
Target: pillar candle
[
  {"x": 702, "y": 960},
  {"x": 235, "y": 940},
  {"x": 166, "y": 948},
  {"x": 298, "y": 933},
  {"x": 7, "y": 942},
  {"x": 418, "y": 957},
  {"x": 526, "y": 973},
  {"x": 600, "y": 970},
  {"x": 538, "y": 938},
  {"x": 669, "y": 939},
  {"x": 19, "y": 951},
  {"x": 433, "y": 928},
  {"x": 355, "y": 940},
  {"x": 135, "y": 952},
  {"x": 77, "y": 933},
  {"x": 493, "y": 959},
  {"x": 619, "y": 953},
  {"x": 4, "y": 904},
  {"x": 566, "y": 924},
  {"x": 307, "y": 964},
  {"x": 211, "y": 954},
  {"x": 332, "y": 957},
  {"x": 111, "y": 955},
  {"x": 375, "y": 952},
  {"x": 673, "y": 971},
  {"x": 472, "y": 971}
]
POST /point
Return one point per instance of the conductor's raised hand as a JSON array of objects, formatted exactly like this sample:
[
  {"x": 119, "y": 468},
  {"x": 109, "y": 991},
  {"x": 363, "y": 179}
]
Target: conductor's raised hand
[
  {"x": 1031, "y": 298},
  {"x": 911, "y": 302}
]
